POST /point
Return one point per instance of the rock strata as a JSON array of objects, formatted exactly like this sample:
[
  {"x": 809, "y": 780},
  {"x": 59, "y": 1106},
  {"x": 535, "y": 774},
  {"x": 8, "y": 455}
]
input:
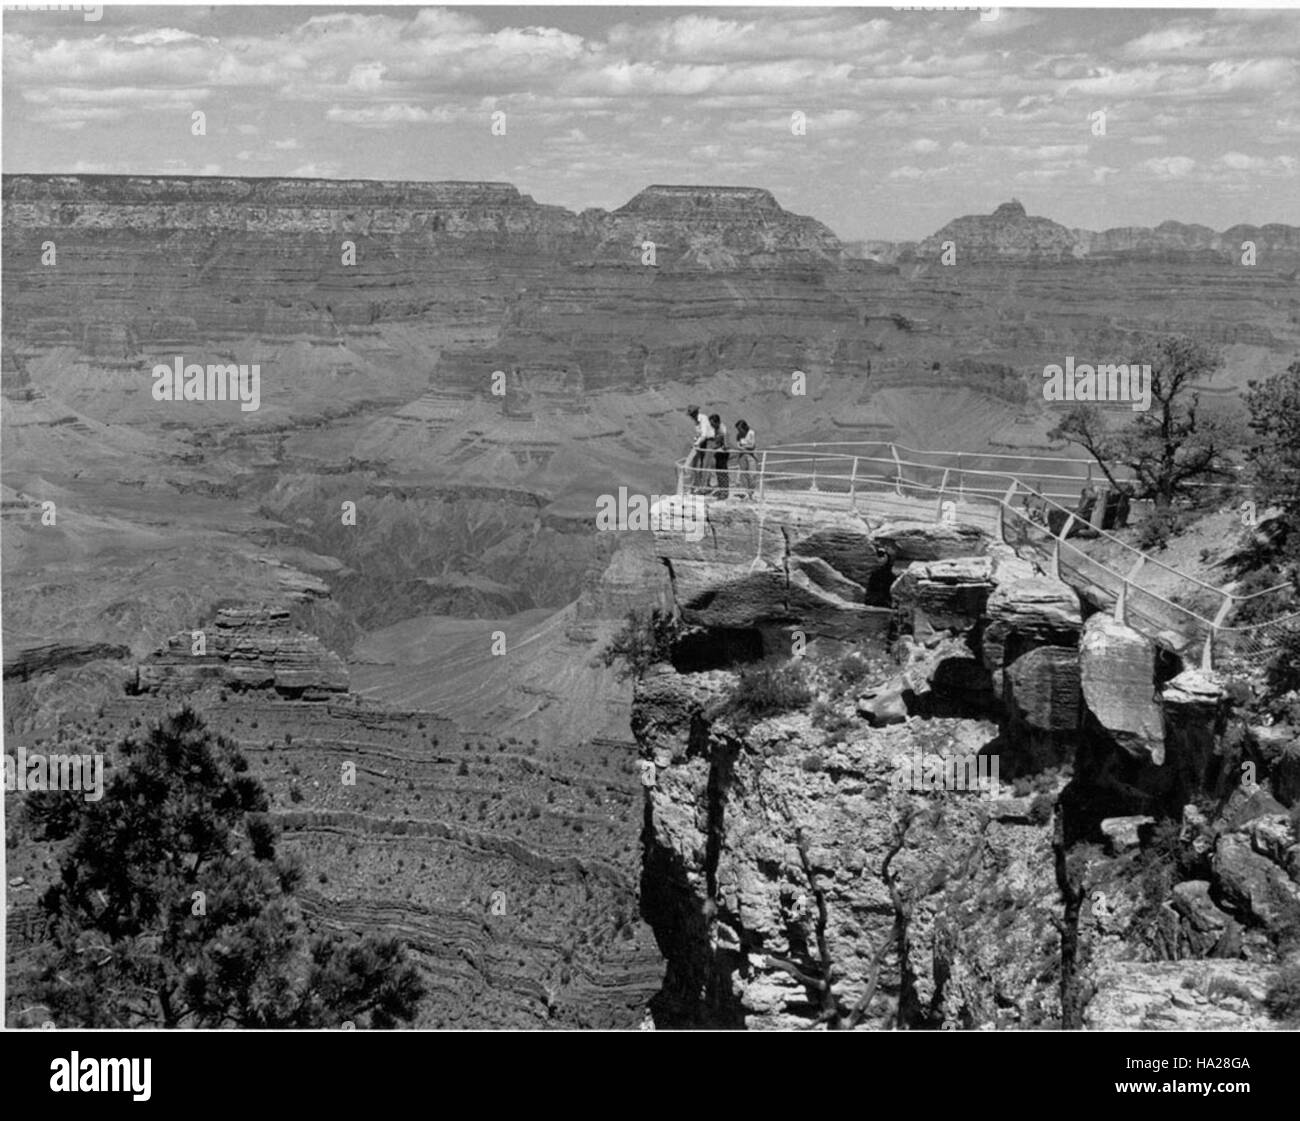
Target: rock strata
[{"x": 253, "y": 648}]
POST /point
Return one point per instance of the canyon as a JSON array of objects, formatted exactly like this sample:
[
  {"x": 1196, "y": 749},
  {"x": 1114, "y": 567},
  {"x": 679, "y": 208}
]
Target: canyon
[{"x": 396, "y": 560}]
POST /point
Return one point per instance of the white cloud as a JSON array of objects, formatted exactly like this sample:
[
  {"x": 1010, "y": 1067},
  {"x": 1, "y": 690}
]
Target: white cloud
[
  {"x": 386, "y": 116},
  {"x": 1169, "y": 167}
]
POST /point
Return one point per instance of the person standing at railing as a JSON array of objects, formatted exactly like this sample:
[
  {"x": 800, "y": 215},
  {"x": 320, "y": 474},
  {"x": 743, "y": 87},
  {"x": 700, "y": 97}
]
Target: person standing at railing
[
  {"x": 701, "y": 459},
  {"x": 721, "y": 457},
  {"x": 745, "y": 461}
]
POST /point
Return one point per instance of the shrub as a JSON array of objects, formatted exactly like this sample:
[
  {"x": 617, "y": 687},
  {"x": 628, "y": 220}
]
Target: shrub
[
  {"x": 829, "y": 719},
  {"x": 1262, "y": 608},
  {"x": 852, "y": 668},
  {"x": 1159, "y": 526},
  {"x": 1283, "y": 996},
  {"x": 1282, "y": 675},
  {"x": 647, "y": 637},
  {"x": 1040, "y": 809},
  {"x": 1221, "y": 985},
  {"x": 766, "y": 690}
]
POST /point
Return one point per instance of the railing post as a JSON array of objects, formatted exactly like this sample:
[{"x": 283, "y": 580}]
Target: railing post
[
  {"x": 762, "y": 475},
  {"x": 812, "y": 487},
  {"x": 943, "y": 483},
  {"x": 898, "y": 472},
  {"x": 1056, "y": 546},
  {"x": 1121, "y": 602},
  {"x": 1207, "y": 651},
  {"x": 1002, "y": 510},
  {"x": 853, "y": 483}
]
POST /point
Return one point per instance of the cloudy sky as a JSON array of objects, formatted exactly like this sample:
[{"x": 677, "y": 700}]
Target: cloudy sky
[{"x": 912, "y": 118}]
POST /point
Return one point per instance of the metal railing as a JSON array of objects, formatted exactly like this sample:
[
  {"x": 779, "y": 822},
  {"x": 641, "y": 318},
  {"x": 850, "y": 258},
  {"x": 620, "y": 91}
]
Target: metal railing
[{"x": 906, "y": 478}]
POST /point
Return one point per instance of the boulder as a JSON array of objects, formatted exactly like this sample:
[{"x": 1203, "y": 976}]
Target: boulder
[
  {"x": 1279, "y": 748},
  {"x": 1124, "y": 833},
  {"x": 1041, "y": 688},
  {"x": 1252, "y": 886},
  {"x": 905, "y": 541},
  {"x": 887, "y": 705},
  {"x": 1192, "y": 705},
  {"x": 1202, "y": 926},
  {"x": 1117, "y": 675},
  {"x": 950, "y": 594},
  {"x": 1027, "y": 613}
]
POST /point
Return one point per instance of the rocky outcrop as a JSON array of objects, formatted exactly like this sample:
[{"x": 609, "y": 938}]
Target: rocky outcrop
[
  {"x": 798, "y": 871},
  {"x": 1276, "y": 751},
  {"x": 770, "y": 865},
  {"x": 1009, "y": 233},
  {"x": 756, "y": 567},
  {"x": 245, "y": 649},
  {"x": 1025, "y": 614},
  {"x": 944, "y": 595},
  {"x": 1251, "y": 886},
  {"x": 1194, "y": 705},
  {"x": 1117, "y": 675},
  {"x": 1180, "y": 996},
  {"x": 24, "y": 662}
]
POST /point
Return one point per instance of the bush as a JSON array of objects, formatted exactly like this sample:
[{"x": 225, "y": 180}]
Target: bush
[
  {"x": 1040, "y": 809},
  {"x": 1221, "y": 985},
  {"x": 830, "y": 720},
  {"x": 1159, "y": 526},
  {"x": 1283, "y": 996},
  {"x": 1282, "y": 674},
  {"x": 766, "y": 690},
  {"x": 851, "y": 669},
  {"x": 1263, "y": 608},
  {"x": 647, "y": 637}
]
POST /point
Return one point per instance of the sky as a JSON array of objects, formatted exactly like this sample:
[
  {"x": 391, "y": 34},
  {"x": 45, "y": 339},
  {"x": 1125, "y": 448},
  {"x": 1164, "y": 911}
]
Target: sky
[{"x": 910, "y": 118}]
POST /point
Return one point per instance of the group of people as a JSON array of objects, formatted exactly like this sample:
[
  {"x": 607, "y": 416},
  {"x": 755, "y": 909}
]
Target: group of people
[{"x": 709, "y": 467}]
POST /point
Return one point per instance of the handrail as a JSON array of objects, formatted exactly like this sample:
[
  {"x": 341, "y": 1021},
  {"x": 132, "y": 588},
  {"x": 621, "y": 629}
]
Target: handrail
[
  {"x": 1048, "y": 498},
  {"x": 1122, "y": 586},
  {"x": 1083, "y": 462}
]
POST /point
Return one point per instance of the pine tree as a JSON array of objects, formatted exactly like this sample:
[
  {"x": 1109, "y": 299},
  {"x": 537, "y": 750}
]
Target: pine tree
[{"x": 174, "y": 910}]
